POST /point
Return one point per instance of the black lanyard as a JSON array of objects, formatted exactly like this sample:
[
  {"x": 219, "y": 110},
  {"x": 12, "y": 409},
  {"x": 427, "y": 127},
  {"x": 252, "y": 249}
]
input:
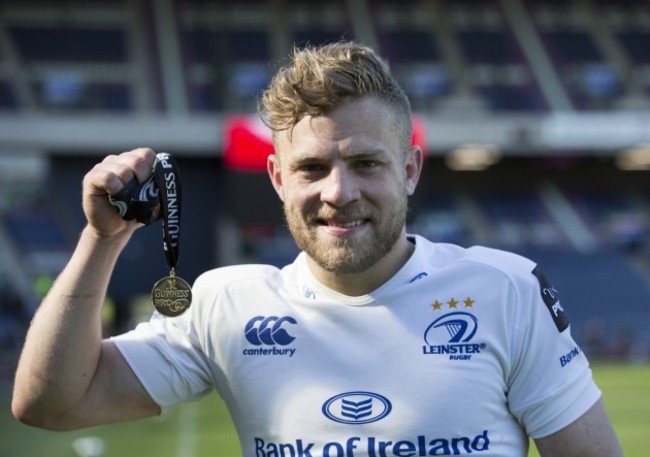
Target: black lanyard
[
  {"x": 167, "y": 178},
  {"x": 160, "y": 197}
]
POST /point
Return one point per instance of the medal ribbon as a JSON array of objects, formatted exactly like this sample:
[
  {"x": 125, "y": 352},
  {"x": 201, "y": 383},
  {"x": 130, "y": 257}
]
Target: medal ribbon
[{"x": 167, "y": 177}]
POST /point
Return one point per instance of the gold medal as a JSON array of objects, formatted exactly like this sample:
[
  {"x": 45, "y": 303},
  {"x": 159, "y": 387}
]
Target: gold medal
[{"x": 171, "y": 295}]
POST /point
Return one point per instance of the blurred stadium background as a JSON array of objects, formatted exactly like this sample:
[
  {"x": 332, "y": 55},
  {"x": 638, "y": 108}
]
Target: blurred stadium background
[{"x": 535, "y": 117}]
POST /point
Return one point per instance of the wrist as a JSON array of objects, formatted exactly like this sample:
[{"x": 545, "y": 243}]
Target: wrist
[{"x": 117, "y": 240}]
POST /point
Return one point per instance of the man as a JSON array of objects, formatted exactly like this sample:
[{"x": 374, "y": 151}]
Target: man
[{"x": 373, "y": 342}]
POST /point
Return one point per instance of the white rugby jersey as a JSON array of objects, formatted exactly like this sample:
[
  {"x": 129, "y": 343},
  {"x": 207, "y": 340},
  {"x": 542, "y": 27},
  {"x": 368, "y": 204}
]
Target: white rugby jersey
[{"x": 463, "y": 351}]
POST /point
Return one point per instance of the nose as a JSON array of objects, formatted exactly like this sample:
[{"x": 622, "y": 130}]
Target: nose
[{"x": 340, "y": 187}]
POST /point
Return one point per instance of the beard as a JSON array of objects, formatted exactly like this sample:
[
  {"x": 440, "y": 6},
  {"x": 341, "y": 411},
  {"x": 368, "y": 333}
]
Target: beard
[{"x": 347, "y": 254}]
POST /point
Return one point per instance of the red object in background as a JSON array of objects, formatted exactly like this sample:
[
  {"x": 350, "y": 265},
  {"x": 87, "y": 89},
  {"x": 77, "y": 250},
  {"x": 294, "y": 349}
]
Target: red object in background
[
  {"x": 247, "y": 142},
  {"x": 419, "y": 134}
]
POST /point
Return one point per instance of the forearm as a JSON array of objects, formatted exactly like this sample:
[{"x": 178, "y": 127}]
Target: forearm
[{"x": 63, "y": 344}]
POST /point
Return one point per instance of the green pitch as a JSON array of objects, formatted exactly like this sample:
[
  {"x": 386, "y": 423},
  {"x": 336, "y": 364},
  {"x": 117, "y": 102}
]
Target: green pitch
[
  {"x": 625, "y": 394},
  {"x": 204, "y": 429}
]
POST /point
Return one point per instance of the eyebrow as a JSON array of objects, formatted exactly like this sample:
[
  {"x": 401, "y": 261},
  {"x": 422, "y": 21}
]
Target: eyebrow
[
  {"x": 357, "y": 154},
  {"x": 366, "y": 153}
]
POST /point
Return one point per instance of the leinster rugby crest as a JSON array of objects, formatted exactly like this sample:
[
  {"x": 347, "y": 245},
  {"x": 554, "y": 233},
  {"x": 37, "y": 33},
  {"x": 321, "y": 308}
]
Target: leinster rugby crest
[{"x": 452, "y": 334}]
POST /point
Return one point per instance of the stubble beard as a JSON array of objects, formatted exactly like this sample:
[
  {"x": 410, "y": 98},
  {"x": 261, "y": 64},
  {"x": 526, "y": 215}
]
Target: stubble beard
[{"x": 349, "y": 254}]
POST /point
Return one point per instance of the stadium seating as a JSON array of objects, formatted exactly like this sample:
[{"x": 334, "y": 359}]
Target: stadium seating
[
  {"x": 459, "y": 59},
  {"x": 597, "y": 50}
]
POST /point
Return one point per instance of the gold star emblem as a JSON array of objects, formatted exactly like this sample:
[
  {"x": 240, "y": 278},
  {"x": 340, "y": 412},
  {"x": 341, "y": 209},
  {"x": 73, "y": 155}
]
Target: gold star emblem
[
  {"x": 436, "y": 305},
  {"x": 452, "y": 303},
  {"x": 469, "y": 303}
]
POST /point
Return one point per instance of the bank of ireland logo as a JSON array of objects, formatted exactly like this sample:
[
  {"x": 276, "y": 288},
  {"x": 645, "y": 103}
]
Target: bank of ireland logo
[
  {"x": 357, "y": 407},
  {"x": 452, "y": 335},
  {"x": 269, "y": 332}
]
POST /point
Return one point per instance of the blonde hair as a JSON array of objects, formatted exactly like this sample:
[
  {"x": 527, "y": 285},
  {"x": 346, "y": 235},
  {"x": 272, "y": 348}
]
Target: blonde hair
[{"x": 319, "y": 79}]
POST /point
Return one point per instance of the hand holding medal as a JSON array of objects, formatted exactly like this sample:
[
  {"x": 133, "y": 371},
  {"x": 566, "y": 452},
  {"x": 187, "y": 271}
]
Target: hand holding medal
[{"x": 160, "y": 198}]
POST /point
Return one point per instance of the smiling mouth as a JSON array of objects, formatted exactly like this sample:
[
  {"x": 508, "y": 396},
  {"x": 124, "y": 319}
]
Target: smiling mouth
[
  {"x": 348, "y": 219},
  {"x": 341, "y": 224}
]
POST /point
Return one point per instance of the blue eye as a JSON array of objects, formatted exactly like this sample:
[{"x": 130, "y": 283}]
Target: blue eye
[
  {"x": 311, "y": 167},
  {"x": 366, "y": 164}
]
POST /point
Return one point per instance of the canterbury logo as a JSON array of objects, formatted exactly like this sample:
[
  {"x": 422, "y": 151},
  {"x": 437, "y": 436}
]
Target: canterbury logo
[{"x": 269, "y": 331}]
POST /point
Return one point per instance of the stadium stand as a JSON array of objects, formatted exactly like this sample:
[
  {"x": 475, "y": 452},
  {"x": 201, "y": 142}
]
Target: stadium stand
[{"x": 559, "y": 88}]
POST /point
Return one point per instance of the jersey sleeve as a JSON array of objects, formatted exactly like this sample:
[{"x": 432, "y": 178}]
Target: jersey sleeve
[
  {"x": 551, "y": 383},
  {"x": 166, "y": 356}
]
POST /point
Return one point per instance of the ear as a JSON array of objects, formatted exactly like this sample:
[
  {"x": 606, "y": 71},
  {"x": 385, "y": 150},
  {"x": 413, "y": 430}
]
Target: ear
[
  {"x": 413, "y": 168},
  {"x": 275, "y": 174}
]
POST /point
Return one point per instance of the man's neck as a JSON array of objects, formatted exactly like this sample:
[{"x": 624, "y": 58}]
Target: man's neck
[{"x": 357, "y": 284}]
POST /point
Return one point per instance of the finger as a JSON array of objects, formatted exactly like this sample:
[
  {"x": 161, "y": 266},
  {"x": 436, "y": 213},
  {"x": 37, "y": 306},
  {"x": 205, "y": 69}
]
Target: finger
[
  {"x": 108, "y": 177},
  {"x": 116, "y": 171},
  {"x": 142, "y": 163},
  {"x": 137, "y": 163}
]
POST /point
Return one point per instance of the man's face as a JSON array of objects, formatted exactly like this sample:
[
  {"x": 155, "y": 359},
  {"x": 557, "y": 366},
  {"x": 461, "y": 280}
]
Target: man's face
[{"x": 344, "y": 180}]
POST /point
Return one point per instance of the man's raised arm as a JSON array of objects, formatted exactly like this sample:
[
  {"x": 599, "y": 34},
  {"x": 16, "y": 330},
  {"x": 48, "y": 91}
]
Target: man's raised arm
[{"x": 67, "y": 377}]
